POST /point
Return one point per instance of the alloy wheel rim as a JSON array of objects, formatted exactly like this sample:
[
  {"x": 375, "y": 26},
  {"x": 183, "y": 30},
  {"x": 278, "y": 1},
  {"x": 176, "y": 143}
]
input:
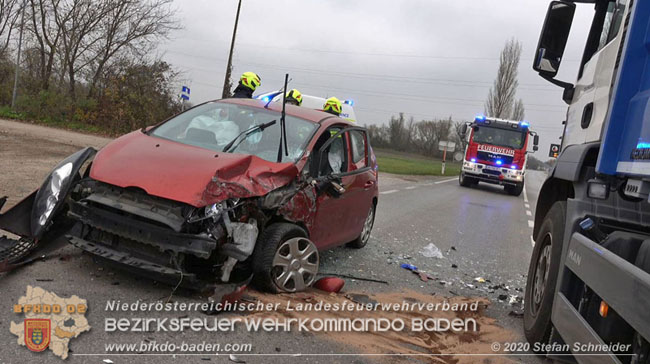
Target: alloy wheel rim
[
  {"x": 295, "y": 265},
  {"x": 367, "y": 225}
]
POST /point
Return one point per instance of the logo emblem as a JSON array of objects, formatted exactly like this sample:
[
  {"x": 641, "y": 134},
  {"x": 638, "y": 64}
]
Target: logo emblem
[{"x": 37, "y": 334}]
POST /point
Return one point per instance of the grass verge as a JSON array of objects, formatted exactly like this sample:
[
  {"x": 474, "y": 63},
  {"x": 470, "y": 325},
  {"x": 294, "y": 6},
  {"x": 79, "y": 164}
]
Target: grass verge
[{"x": 412, "y": 164}]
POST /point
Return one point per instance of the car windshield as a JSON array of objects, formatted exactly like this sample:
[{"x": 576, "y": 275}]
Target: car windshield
[
  {"x": 215, "y": 124},
  {"x": 502, "y": 137}
]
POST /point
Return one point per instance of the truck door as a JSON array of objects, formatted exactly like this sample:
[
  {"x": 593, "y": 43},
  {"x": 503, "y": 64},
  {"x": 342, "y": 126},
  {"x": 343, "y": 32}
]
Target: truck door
[{"x": 593, "y": 88}]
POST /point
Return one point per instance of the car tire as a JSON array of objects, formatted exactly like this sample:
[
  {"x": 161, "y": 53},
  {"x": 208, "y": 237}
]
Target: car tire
[
  {"x": 265, "y": 251},
  {"x": 515, "y": 190},
  {"x": 368, "y": 224},
  {"x": 465, "y": 181},
  {"x": 543, "y": 272}
]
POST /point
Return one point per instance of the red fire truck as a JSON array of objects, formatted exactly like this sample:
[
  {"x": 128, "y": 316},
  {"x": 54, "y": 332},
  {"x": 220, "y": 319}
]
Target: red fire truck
[{"x": 497, "y": 153}]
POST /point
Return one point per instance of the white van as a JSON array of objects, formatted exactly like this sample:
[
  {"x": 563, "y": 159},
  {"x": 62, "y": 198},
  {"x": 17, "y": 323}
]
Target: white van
[{"x": 313, "y": 102}]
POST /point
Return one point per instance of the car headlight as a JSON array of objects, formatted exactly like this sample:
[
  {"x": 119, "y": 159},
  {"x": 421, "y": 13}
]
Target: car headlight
[{"x": 54, "y": 190}]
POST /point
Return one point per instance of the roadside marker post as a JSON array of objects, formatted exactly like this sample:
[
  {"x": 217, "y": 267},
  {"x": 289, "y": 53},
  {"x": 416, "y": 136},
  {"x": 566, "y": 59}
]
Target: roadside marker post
[{"x": 444, "y": 145}]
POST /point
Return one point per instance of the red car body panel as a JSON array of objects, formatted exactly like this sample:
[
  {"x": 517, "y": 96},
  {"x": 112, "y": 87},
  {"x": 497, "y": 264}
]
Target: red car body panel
[{"x": 185, "y": 173}]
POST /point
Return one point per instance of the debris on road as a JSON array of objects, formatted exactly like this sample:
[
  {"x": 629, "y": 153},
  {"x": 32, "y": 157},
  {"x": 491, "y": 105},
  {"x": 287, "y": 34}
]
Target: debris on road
[
  {"x": 454, "y": 266},
  {"x": 356, "y": 278},
  {"x": 329, "y": 284},
  {"x": 479, "y": 279},
  {"x": 235, "y": 359},
  {"x": 410, "y": 267},
  {"x": 431, "y": 251},
  {"x": 361, "y": 298},
  {"x": 516, "y": 313}
]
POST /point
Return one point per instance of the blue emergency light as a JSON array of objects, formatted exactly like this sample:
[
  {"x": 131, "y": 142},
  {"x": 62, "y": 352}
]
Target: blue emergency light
[
  {"x": 643, "y": 145},
  {"x": 480, "y": 118},
  {"x": 349, "y": 102},
  {"x": 473, "y": 160},
  {"x": 265, "y": 99},
  {"x": 499, "y": 162},
  {"x": 524, "y": 124}
]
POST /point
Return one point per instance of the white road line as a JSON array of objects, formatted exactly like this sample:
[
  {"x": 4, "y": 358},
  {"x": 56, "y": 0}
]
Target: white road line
[
  {"x": 427, "y": 184},
  {"x": 445, "y": 181},
  {"x": 531, "y": 223},
  {"x": 410, "y": 187},
  {"x": 388, "y": 192},
  {"x": 532, "y": 242},
  {"x": 525, "y": 195},
  {"x": 527, "y": 205},
  {"x": 528, "y": 213}
]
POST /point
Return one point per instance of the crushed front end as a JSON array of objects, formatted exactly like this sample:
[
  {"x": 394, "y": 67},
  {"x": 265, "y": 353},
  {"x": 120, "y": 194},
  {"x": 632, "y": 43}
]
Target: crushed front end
[{"x": 169, "y": 240}]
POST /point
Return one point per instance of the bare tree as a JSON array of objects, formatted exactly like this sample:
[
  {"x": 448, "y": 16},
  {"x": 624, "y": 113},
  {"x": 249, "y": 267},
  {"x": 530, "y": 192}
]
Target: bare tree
[
  {"x": 9, "y": 14},
  {"x": 78, "y": 21},
  {"x": 458, "y": 129},
  {"x": 397, "y": 131},
  {"x": 518, "y": 111},
  {"x": 501, "y": 97},
  {"x": 47, "y": 36},
  {"x": 130, "y": 26}
]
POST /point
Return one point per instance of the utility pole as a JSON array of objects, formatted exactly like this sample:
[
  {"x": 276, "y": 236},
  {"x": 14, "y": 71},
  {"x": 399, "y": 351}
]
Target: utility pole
[
  {"x": 226, "y": 81},
  {"x": 20, "y": 45}
]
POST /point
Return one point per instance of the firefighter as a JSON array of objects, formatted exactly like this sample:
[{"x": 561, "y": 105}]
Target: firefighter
[
  {"x": 333, "y": 106},
  {"x": 248, "y": 82},
  {"x": 294, "y": 97}
]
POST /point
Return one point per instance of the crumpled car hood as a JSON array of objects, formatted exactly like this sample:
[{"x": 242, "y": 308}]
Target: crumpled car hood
[{"x": 185, "y": 173}]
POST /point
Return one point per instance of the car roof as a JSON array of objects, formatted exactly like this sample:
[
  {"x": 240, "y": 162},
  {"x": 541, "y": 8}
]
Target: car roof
[{"x": 316, "y": 116}]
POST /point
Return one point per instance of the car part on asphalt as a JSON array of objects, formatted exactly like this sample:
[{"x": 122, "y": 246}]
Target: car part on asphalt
[{"x": 329, "y": 284}]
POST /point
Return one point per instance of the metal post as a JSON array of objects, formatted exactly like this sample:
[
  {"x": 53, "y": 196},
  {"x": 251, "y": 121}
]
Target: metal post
[
  {"x": 226, "y": 81},
  {"x": 444, "y": 157},
  {"x": 20, "y": 45}
]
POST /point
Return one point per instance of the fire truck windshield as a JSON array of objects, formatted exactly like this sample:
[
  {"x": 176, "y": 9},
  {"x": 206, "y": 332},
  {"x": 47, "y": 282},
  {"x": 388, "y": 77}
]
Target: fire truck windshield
[{"x": 501, "y": 137}]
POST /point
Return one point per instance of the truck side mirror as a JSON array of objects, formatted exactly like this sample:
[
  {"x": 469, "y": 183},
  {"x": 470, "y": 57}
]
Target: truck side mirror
[
  {"x": 535, "y": 143},
  {"x": 554, "y": 37}
]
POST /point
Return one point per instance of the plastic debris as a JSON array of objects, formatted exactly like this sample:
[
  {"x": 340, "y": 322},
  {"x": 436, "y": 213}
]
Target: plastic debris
[
  {"x": 516, "y": 313},
  {"x": 479, "y": 279},
  {"x": 454, "y": 266},
  {"x": 408, "y": 266},
  {"x": 235, "y": 359},
  {"x": 329, "y": 284},
  {"x": 431, "y": 251}
]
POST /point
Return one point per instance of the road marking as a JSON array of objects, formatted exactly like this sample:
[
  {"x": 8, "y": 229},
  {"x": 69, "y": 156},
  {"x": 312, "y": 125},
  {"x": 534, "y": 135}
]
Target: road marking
[
  {"x": 525, "y": 195},
  {"x": 532, "y": 241},
  {"x": 427, "y": 184},
  {"x": 445, "y": 181},
  {"x": 527, "y": 205},
  {"x": 410, "y": 187},
  {"x": 528, "y": 213},
  {"x": 531, "y": 223},
  {"x": 388, "y": 192}
]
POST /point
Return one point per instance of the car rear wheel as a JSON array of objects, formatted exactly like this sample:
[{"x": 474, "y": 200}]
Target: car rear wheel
[
  {"x": 362, "y": 240},
  {"x": 284, "y": 259},
  {"x": 542, "y": 275}
]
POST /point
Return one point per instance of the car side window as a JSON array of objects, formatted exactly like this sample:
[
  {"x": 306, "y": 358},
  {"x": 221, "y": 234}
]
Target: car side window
[
  {"x": 334, "y": 158},
  {"x": 358, "y": 141}
]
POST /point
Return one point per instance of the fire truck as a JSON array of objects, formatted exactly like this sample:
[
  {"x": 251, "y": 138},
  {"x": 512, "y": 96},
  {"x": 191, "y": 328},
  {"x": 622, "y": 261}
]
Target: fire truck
[{"x": 497, "y": 153}]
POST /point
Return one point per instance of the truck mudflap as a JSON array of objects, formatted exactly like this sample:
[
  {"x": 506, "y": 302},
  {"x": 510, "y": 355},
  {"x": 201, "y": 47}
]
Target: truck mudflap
[{"x": 622, "y": 284}]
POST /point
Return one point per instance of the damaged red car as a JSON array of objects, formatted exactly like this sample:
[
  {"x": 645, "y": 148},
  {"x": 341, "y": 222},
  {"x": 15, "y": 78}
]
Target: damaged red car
[{"x": 226, "y": 190}]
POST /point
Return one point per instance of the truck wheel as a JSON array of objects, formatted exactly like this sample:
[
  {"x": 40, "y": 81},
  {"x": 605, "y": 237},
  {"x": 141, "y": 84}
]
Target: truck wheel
[
  {"x": 542, "y": 275},
  {"x": 362, "y": 240},
  {"x": 284, "y": 260},
  {"x": 515, "y": 190},
  {"x": 464, "y": 180}
]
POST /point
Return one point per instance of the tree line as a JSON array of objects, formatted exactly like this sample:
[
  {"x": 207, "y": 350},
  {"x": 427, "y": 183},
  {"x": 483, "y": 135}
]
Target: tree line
[{"x": 88, "y": 61}]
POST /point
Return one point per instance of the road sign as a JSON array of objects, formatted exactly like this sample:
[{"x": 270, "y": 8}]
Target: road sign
[
  {"x": 554, "y": 151},
  {"x": 458, "y": 156},
  {"x": 185, "y": 93},
  {"x": 445, "y": 145}
]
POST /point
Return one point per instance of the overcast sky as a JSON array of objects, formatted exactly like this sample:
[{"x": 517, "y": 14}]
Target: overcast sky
[{"x": 428, "y": 59}]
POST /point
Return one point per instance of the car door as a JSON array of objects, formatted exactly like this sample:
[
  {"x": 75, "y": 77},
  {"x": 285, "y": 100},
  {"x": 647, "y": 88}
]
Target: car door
[{"x": 360, "y": 182}]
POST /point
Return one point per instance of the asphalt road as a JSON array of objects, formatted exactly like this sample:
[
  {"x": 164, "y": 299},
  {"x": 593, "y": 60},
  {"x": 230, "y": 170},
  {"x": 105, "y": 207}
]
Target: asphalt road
[{"x": 481, "y": 231}]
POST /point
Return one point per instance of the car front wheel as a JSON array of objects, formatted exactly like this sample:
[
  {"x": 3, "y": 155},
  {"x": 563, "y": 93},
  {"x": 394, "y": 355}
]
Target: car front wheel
[{"x": 284, "y": 259}]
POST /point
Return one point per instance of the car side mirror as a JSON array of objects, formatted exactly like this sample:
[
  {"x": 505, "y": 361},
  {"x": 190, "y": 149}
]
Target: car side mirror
[{"x": 553, "y": 39}]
